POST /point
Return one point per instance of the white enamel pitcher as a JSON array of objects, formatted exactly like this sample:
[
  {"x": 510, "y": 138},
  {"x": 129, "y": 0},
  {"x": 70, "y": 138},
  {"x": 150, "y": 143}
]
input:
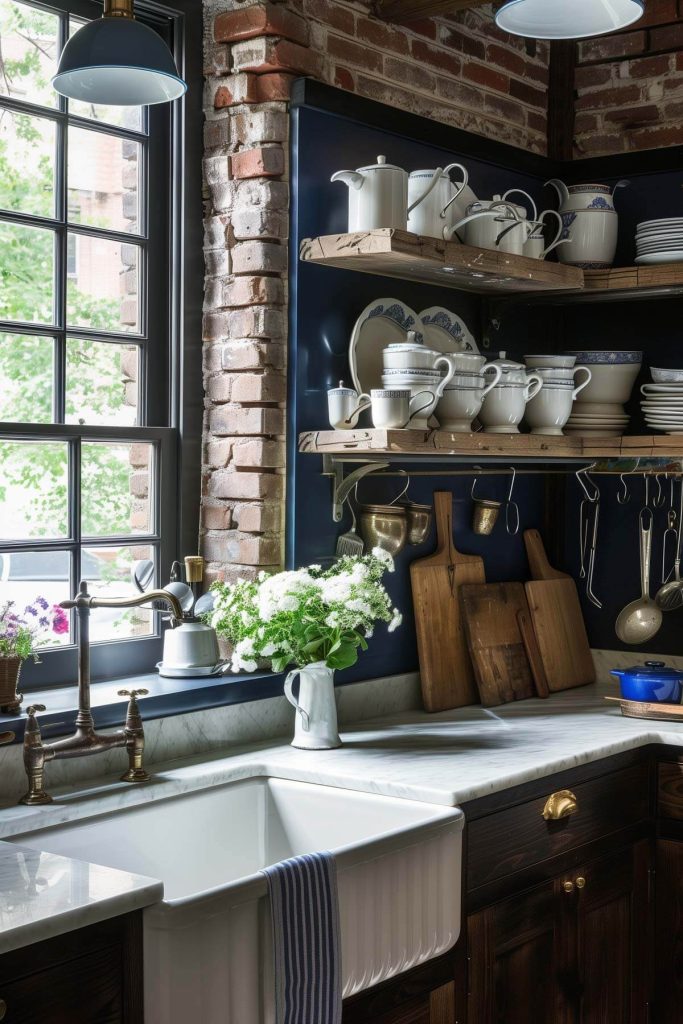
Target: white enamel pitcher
[
  {"x": 315, "y": 726},
  {"x": 378, "y": 195},
  {"x": 431, "y": 198}
]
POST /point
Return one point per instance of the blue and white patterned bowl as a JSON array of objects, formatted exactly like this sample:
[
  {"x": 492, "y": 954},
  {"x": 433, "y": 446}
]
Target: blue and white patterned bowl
[
  {"x": 660, "y": 376},
  {"x": 595, "y": 358}
]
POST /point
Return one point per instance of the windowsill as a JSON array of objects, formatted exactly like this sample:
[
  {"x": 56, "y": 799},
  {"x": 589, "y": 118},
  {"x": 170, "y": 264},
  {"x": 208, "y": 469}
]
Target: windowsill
[{"x": 166, "y": 697}]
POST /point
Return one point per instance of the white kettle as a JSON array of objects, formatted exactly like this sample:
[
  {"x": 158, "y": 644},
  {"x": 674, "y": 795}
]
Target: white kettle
[{"x": 378, "y": 195}]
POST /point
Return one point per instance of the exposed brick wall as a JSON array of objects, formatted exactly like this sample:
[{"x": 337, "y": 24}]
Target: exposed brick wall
[
  {"x": 629, "y": 86},
  {"x": 457, "y": 70}
]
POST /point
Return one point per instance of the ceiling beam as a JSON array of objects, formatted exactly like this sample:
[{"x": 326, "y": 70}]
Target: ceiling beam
[{"x": 410, "y": 10}]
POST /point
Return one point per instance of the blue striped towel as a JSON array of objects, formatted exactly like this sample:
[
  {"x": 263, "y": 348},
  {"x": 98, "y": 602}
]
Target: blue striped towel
[{"x": 306, "y": 943}]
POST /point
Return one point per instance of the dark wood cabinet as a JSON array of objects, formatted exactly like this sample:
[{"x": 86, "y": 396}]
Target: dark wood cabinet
[
  {"x": 434, "y": 993},
  {"x": 89, "y": 976}
]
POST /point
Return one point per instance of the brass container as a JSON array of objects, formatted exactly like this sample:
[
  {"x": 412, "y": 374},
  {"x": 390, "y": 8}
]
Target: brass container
[
  {"x": 419, "y": 521},
  {"x": 10, "y": 700},
  {"x": 383, "y": 526},
  {"x": 485, "y": 516},
  {"x": 194, "y": 568}
]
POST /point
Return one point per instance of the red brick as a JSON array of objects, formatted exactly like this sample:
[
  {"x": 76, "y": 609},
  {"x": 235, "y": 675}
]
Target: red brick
[
  {"x": 354, "y": 53},
  {"x": 259, "y": 387},
  {"x": 218, "y": 453},
  {"x": 258, "y": 451},
  {"x": 258, "y": 517},
  {"x": 647, "y": 67},
  {"x": 436, "y": 57},
  {"x": 585, "y": 123},
  {"x": 537, "y": 122},
  {"x": 423, "y": 27},
  {"x": 509, "y": 60},
  {"x": 587, "y": 77},
  {"x": 412, "y": 76},
  {"x": 658, "y": 12},
  {"x": 254, "y": 291},
  {"x": 656, "y": 137},
  {"x": 331, "y": 14},
  {"x": 506, "y": 110},
  {"x": 225, "y": 483},
  {"x": 600, "y": 144},
  {"x": 612, "y": 47},
  {"x": 486, "y": 77},
  {"x": 273, "y": 87},
  {"x": 267, "y": 162},
  {"x": 669, "y": 38},
  {"x": 603, "y": 98},
  {"x": 215, "y": 517},
  {"x": 264, "y": 19},
  {"x": 380, "y": 35},
  {"x": 266, "y": 55},
  {"x": 631, "y": 117},
  {"x": 528, "y": 94},
  {"x": 344, "y": 79},
  {"x": 463, "y": 43},
  {"x": 229, "y": 420},
  {"x": 460, "y": 93}
]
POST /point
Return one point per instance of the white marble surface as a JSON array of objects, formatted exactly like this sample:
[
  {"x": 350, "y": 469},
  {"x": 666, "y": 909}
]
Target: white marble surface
[{"x": 43, "y": 895}]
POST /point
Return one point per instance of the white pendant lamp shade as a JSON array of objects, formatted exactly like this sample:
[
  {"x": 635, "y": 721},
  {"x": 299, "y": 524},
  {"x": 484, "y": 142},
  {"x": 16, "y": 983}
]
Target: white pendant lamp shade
[
  {"x": 118, "y": 61},
  {"x": 567, "y": 19}
]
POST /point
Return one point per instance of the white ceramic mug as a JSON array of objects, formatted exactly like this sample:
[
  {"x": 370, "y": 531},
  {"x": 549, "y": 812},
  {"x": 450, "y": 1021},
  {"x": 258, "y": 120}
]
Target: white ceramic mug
[
  {"x": 503, "y": 407},
  {"x": 342, "y": 408},
  {"x": 461, "y": 402},
  {"x": 395, "y": 408},
  {"x": 556, "y": 375},
  {"x": 420, "y": 420},
  {"x": 548, "y": 411}
]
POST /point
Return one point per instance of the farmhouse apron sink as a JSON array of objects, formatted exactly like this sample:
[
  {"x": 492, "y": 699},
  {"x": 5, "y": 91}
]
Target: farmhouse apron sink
[{"x": 208, "y": 950}]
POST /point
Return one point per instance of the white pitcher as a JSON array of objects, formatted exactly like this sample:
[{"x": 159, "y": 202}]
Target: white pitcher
[
  {"x": 378, "y": 195},
  {"x": 431, "y": 197},
  {"x": 315, "y": 724}
]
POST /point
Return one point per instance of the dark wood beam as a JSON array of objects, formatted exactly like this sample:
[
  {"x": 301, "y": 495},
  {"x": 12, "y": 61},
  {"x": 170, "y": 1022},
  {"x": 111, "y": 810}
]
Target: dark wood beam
[
  {"x": 561, "y": 108},
  {"x": 410, "y": 10}
]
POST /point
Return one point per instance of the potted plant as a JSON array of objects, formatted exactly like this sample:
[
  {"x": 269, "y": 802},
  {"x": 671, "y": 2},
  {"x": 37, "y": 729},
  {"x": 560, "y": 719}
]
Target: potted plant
[
  {"x": 20, "y": 634},
  {"x": 313, "y": 618}
]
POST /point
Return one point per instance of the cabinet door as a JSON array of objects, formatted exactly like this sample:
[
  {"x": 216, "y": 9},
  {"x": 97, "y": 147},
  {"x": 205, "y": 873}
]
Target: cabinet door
[
  {"x": 613, "y": 940},
  {"x": 520, "y": 962},
  {"x": 669, "y": 932}
]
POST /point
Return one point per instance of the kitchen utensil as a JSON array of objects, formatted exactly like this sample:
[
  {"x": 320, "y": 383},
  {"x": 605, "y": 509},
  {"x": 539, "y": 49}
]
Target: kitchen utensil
[
  {"x": 419, "y": 521},
  {"x": 641, "y": 619},
  {"x": 447, "y": 333},
  {"x": 204, "y": 604},
  {"x": 143, "y": 574},
  {"x": 342, "y": 407},
  {"x": 501, "y": 667},
  {"x": 383, "y": 526},
  {"x": 652, "y": 682},
  {"x": 350, "y": 543},
  {"x": 670, "y": 596},
  {"x": 511, "y": 509},
  {"x": 484, "y": 516},
  {"x": 432, "y": 200},
  {"x": 194, "y": 573},
  {"x": 176, "y": 574},
  {"x": 191, "y": 645},
  {"x": 533, "y": 652},
  {"x": 382, "y": 322},
  {"x": 183, "y": 593},
  {"x": 378, "y": 195},
  {"x": 446, "y": 672},
  {"x": 670, "y": 532},
  {"x": 557, "y": 619}
]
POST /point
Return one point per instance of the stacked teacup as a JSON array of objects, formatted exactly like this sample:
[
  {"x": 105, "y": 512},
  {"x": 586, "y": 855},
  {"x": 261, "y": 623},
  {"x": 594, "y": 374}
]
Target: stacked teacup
[
  {"x": 549, "y": 410},
  {"x": 423, "y": 371},
  {"x": 463, "y": 395},
  {"x": 599, "y": 409}
]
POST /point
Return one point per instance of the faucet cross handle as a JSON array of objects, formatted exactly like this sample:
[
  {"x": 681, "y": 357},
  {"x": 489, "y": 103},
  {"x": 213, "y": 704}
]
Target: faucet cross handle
[
  {"x": 132, "y": 693},
  {"x": 32, "y": 709}
]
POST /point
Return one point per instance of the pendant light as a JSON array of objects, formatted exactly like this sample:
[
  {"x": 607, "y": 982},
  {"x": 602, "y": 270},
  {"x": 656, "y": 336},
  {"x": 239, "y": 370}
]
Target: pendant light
[
  {"x": 118, "y": 61},
  {"x": 567, "y": 19}
]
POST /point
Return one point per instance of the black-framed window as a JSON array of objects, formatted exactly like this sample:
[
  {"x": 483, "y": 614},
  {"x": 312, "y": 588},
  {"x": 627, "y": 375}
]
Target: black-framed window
[{"x": 92, "y": 316}]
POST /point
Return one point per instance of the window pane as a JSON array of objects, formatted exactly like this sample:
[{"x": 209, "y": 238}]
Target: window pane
[
  {"x": 123, "y": 117},
  {"x": 115, "y": 483},
  {"x": 27, "y": 163},
  {"x": 25, "y": 379},
  {"x": 108, "y": 572},
  {"x": 103, "y": 180},
  {"x": 101, "y": 383},
  {"x": 102, "y": 294},
  {"x": 26, "y": 575},
  {"x": 29, "y": 40},
  {"x": 33, "y": 489},
  {"x": 26, "y": 274}
]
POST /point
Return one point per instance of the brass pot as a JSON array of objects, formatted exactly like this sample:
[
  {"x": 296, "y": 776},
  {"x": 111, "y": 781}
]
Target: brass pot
[
  {"x": 383, "y": 526},
  {"x": 10, "y": 700},
  {"x": 419, "y": 521},
  {"x": 485, "y": 515}
]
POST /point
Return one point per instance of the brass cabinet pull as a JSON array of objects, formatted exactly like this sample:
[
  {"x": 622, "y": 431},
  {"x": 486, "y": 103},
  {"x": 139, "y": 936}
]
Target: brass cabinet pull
[
  {"x": 568, "y": 886},
  {"x": 3, "y": 1009},
  {"x": 560, "y": 805},
  {"x": 580, "y": 882}
]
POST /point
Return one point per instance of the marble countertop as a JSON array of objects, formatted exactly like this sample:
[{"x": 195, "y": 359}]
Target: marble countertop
[
  {"x": 447, "y": 758},
  {"x": 43, "y": 895}
]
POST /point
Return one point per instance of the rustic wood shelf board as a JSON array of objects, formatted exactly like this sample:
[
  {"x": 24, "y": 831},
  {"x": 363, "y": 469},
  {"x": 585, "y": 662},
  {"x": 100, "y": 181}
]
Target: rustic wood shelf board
[
  {"x": 390, "y": 252},
  {"x": 442, "y": 443},
  {"x": 635, "y": 279}
]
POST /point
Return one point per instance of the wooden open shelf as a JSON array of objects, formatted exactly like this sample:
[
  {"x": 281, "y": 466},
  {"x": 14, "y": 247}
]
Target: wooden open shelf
[
  {"x": 390, "y": 252},
  {"x": 667, "y": 277},
  {"x": 442, "y": 444}
]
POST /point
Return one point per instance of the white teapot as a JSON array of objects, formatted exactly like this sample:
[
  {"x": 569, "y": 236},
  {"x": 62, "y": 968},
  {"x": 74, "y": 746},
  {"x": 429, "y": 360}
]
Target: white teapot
[{"x": 378, "y": 195}]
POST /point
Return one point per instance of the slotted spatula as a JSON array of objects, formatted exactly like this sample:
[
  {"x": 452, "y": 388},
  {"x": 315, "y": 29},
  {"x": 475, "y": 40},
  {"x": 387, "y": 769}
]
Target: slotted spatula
[{"x": 350, "y": 543}]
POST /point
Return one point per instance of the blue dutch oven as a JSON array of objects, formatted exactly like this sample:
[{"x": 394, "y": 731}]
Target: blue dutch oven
[{"x": 652, "y": 682}]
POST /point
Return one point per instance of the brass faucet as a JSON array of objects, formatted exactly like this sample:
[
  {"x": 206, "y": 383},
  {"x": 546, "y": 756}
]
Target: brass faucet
[{"x": 86, "y": 740}]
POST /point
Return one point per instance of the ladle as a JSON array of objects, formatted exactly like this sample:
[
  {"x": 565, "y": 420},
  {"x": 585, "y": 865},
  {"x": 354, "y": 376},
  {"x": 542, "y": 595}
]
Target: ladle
[
  {"x": 641, "y": 619},
  {"x": 670, "y": 596}
]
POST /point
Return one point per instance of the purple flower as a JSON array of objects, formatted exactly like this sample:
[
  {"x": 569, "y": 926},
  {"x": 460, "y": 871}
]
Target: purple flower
[
  {"x": 42, "y": 603},
  {"x": 30, "y": 610},
  {"x": 44, "y": 621}
]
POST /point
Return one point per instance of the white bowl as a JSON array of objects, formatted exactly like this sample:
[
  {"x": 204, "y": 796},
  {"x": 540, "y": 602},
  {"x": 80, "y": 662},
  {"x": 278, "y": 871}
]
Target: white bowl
[
  {"x": 611, "y": 382},
  {"x": 661, "y": 376},
  {"x": 563, "y": 361}
]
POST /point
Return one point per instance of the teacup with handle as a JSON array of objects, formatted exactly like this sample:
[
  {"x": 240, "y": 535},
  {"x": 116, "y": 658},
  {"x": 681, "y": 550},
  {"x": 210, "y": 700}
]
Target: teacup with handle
[
  {"x": 461, "y": 401},
  {"x": 503, "y": 407},
  {"x": 548, "y": 410}
]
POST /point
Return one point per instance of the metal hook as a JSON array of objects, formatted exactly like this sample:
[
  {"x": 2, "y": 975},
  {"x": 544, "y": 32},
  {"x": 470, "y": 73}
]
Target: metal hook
[
  {"x": 474, "y": 482},
  {"x": 659, "y": 501},
  {"x": 511, "y": 505},
  {"x": 624, "y": 498},
  {"x": 582, "y": 475},
  {"x": 646, "y": 481}
]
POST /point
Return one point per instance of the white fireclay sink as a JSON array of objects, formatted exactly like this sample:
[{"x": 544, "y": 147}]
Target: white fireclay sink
[{"x": 208, "y": 954}]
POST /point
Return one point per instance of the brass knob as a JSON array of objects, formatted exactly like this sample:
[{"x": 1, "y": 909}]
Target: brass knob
[
  {"x": 132, "y": 693},
  {"x": 3, "y": 1009},
  {"x": 31, "y": 711},
  {"x": 7, "y": 737},
  {"x": 568, "y": 886},
  {"x": 560, "y": 805},
  {"x": 580, "y": 882}
]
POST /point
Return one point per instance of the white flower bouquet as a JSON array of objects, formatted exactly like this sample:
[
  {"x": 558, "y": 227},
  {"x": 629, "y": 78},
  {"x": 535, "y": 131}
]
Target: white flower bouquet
[{"x": 306, "y": 615}]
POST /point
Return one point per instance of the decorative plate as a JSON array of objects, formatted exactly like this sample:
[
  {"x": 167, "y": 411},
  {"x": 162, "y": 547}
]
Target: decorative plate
[
  {"x": 383, "y": 322},
  {"x": 445, "y": 332}
]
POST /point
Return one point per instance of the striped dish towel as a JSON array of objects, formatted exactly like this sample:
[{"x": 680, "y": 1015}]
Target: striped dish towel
[{"x": 306, "y": 944}]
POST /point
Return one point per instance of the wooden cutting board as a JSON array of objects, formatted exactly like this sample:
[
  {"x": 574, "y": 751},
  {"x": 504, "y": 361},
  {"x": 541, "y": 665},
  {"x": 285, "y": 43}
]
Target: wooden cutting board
[
  {"x": 558, "y": 620},
  {"x": 501, "y": 666},
  {"x": 445, "y": 666}
]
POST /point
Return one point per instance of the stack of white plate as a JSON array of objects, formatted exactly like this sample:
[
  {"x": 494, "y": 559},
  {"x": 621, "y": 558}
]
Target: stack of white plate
[
  {"x": 662, "y": 403},
  {"x": 660, "y": 241},
  {"x": 597, "y": 419}
]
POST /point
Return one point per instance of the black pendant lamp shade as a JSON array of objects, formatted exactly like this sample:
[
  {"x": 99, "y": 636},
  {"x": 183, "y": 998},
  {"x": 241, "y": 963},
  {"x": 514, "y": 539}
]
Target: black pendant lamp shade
[{"x": 118, "y": 61}]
